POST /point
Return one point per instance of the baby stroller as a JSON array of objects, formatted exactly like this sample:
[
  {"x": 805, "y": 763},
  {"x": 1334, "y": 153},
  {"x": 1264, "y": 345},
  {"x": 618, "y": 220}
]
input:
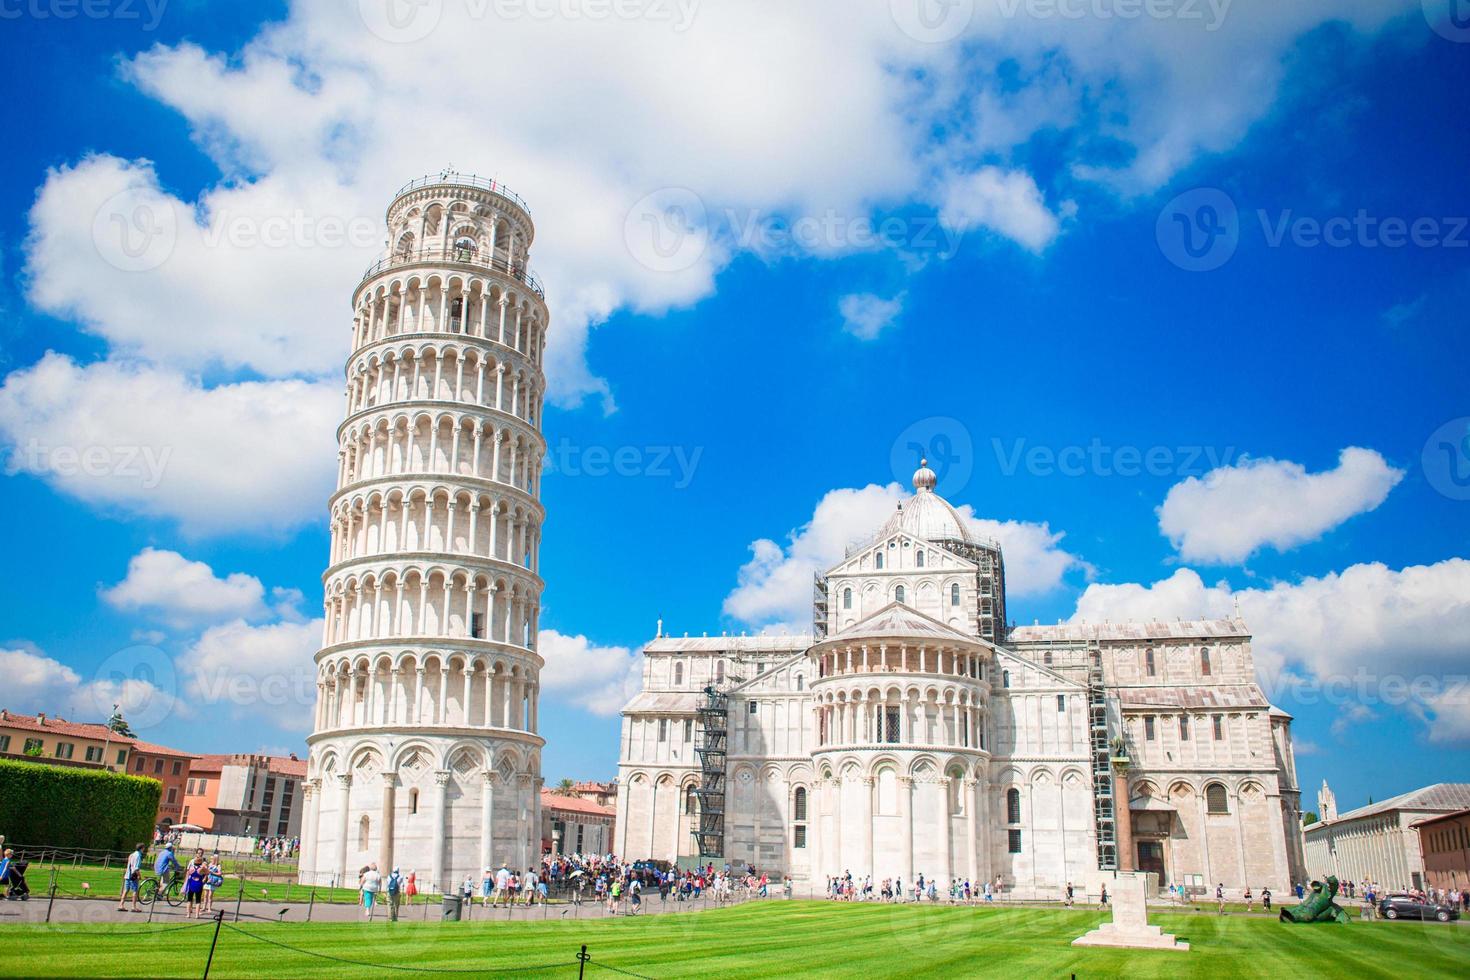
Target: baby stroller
[{"x": 15, "y": 879}]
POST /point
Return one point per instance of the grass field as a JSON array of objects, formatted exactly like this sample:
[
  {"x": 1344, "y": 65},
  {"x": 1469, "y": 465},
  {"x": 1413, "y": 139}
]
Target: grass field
[
  {"x": 758, "y": 939},
  {"x": 278, "y": 884}
]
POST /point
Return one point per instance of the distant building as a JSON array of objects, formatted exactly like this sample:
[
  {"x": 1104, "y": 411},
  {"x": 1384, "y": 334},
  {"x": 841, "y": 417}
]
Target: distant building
[
  {"x": 1444, "y": 847},
  {"x": 575, "y": 825},
  {"x": 1378, "y": 841},
  {"x": 88, "y": 745},
  {"x": 253, "y": 795},
  {"x": 171, "y": 768},
  {"x": 603, "y": 794}
]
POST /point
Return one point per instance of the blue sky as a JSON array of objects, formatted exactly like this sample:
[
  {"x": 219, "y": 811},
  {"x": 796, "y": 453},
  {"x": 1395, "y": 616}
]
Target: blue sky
[{"x": 1035, "y": 300}]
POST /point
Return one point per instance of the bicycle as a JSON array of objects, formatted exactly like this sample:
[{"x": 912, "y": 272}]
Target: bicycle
[{"x": 173, "y": 891}]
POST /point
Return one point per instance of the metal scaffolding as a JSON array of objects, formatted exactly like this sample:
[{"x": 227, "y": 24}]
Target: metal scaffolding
[
  {"x": 1102, "y": 766},
  {"x": 709, "y": 836}
]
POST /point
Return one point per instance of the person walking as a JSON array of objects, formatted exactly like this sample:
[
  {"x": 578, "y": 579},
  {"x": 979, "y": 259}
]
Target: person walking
[
  {"x": 212, "y": 880},
  {"x": 372, "y": 880},
  {"x": 132, "y": 877},
  {"x": 1067, "y": 901},
  {"x": 1266, "y": 899},
  {"x": 194, "y": 886},
  {"x": 395, "y": 894},
  {"x": 1249, "y": 898},
  {"x": 1220, "y": 897}
]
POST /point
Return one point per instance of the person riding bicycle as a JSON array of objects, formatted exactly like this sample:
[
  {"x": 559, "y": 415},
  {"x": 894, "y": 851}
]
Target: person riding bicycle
[{"x": 165, "y": 866}]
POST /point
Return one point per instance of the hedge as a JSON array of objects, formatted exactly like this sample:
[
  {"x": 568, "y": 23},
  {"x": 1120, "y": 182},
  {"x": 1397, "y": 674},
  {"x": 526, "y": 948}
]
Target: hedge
[{"x": 76, "y": 808}]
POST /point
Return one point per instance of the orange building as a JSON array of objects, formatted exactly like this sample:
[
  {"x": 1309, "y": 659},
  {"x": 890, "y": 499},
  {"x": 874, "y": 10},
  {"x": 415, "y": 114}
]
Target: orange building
[
  {"x": 171, "y": 768},
  {"x": 246, "y": 794}
]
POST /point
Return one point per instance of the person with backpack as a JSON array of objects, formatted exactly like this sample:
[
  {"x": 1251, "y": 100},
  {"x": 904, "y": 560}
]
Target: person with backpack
[
  {"x": 395, "y": 894},
  {"x": 132, "y": 877}
]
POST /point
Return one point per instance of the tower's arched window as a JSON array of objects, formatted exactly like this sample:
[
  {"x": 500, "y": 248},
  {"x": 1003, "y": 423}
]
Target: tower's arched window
[
  {"x": 719, "y": 671},
  {"x": 898, "y": 594},
  {"x": 1148, "y": 661},
  {"x": 1216, "y": 799},
  {"x": 362, "y": 833},
  {"x": 1005, "y": 678},
  {"x": 678, "y": 673},
  {"x": 919, "y": 557},
  {"x": 1013, "y": 806},
  {"x": 1204, "y": 661},
  {"x": 413, "y": 801},
  {"x": 799, "y": 804},
  {"x": 691, "y": 800},
  {"x": 847, "y": 598},
  {"x": 878, "y": 560},
  {"x": 954, "y": 594}
]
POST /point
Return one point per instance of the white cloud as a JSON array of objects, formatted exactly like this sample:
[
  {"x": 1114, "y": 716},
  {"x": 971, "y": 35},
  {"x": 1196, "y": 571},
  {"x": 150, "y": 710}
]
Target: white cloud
[
  {"x": 599, "y": 679},
  {"x": 1008, "y": 202},
  {"x": 865, "y": 315},
  {"x": 183, "y": 591},
  {"x": 1233, "y": 511},
  {"x": 317, "y": 119},
  {"x": 774, "y": 588},
  {"x": 1368, "y": 635},
  {"x": 35, "y": 683},
  {"x": 251, "y": 456},
  {"x": 261, "y": 673}
]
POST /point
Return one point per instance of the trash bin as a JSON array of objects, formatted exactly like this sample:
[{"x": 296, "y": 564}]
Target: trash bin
[{"x": 451, "y": 909}]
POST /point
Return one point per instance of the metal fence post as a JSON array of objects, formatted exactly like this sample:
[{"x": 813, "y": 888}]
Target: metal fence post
[
  {"x": 239, "y": 897},
  {"x": 310, "y": 902}
]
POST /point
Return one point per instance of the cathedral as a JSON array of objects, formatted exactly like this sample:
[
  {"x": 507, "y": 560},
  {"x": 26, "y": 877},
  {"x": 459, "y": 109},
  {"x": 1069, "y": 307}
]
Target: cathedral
[{"x": 915, "y": 731}]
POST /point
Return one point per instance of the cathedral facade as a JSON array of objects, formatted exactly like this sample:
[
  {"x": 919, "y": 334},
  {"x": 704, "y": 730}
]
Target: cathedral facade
[{"x": 915, "y": 732}]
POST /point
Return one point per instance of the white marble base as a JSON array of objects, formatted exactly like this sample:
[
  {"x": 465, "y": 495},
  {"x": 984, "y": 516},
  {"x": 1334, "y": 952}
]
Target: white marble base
[{"x": 1148, "y": 937}]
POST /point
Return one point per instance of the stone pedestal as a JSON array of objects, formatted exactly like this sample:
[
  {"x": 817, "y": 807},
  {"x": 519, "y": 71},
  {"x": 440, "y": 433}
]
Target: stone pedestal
[{"x": 1130, "y": 919}]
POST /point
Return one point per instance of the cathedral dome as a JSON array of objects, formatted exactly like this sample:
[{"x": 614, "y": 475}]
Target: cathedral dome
[{"x": 927, "y": 515}]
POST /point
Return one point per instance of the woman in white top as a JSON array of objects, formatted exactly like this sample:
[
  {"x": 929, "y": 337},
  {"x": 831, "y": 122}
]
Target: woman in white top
[{"x": 371, "y": 881}]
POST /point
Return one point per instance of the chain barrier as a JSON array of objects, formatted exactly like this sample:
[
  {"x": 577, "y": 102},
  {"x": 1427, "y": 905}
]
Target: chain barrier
[{"x": 417, "y": 968}]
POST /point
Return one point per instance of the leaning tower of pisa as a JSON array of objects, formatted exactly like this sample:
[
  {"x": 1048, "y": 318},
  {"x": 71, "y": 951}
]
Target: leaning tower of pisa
[{"x": 424, "y": 753}]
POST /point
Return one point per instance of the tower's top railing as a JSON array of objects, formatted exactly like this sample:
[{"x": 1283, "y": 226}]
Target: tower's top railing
[{"x": 454, "y": 177}]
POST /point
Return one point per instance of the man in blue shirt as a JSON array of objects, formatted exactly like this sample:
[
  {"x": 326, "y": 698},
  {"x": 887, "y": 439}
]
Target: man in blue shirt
[{"x": 165, "y": 866}]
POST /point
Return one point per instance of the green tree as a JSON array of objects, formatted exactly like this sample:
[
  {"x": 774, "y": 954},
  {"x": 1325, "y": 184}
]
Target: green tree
[
  {"x": 1309, "y": 818},
  {"x": 565, "y": 786}
]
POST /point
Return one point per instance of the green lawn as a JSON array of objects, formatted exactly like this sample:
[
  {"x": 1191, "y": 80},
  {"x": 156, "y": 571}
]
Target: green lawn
[
  {"x": 758, "y": 939},
  {"x": 106, "y": 882}
]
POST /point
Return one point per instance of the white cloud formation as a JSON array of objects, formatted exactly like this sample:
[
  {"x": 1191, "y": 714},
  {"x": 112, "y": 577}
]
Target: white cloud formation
[
  {"x": 149, "y": 441},
  {"x": 1233, "y": 511},
  {"x": 181, "y": 591},
  {"x": 35, "y": 683},
  {"x": 866, "y": 315},
  {"x": 598, "y": 679},
  {"x": 1368, "y": 635},
  {"x": 1007, "y": 201},
  {"x": 774, "y": 588},
  {"x": 780, "y": 111},
  {"x": 260, "y": 673}
]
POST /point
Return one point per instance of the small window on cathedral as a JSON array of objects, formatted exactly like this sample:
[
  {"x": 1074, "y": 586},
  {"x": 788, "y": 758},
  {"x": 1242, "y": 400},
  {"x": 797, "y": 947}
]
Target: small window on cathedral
[
  {"x": 688, "y": 729},
  {"x": 919, "y": 558},
  {"x": 663, "y": 729},
  {"x": 1216, "y": 800},
  {"x": 1148, "y": 661},
  {"x": 1014, "y": 840},
  {"x": 898, "y": 595},
  {"x": 799, "y": 804},
  {"x": 847, "y": 598},
  {"x": 878, "y": 560},
  {"x": 798, "y": 840},
  {"x": 1219, "y": 727},
  {"x": 1046, "y": 658},
  {"x": 678, "y": 674},
  {"x": 1184, "y": 728},
  {"x": 1204, "y": 661},
  {"x": 752, "y": 707},
  {"x": 1013, "y": 805},
  {"x": 1005, "y": 678},
  {"x": 1061, "y": 702},
  {"x": 954, "y": 594},
  {"x": 1148, "y": 728}
]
